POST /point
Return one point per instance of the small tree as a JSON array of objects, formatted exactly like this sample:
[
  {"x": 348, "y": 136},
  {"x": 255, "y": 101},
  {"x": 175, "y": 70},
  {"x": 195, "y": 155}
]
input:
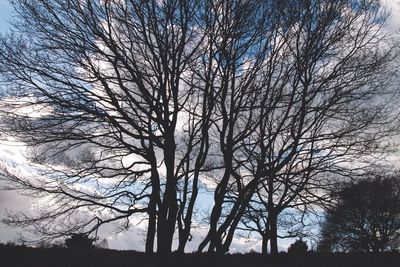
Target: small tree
[
  {"x": 299, "y": 246},
  {"x": 365, "y": 218},
  {"x": 79, "y": 241}
]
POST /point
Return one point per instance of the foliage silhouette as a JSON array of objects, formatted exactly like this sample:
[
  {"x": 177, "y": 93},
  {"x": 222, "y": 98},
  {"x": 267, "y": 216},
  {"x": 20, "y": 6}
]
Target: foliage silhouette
[
  {"x": 299, "y": 246},
  {"x": 365, "y": 218},
  {"x": 79, "y": 241}
]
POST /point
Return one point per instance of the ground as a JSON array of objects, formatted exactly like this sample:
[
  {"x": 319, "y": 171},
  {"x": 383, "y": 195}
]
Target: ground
[{"x": 61, "y": 257}]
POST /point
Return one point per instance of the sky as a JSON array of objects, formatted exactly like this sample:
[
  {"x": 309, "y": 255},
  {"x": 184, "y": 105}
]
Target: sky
[
  {"x": 5, "y": 15},
  {"x": 8, "y": 198},
  {"x": 132, "y": 239}
]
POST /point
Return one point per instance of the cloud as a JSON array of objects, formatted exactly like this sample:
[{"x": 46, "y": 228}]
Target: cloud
[
  {"x": 394, "y": 20},
  {"x": 11, "y": 201}
]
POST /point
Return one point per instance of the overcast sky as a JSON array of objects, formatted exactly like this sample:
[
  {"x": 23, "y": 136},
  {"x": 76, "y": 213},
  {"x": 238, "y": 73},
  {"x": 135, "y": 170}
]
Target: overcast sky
[{"x": 132, "y": 239}]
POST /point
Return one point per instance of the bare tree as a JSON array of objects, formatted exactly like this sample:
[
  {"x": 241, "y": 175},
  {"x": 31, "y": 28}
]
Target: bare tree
[
  {"x": 112, "y": 82},
  {"x": 336, "y": 118},
  {"x": 291, "y": 222},
  {"x": 322, "y": 102},
  {"x": 130, "y": 105}
]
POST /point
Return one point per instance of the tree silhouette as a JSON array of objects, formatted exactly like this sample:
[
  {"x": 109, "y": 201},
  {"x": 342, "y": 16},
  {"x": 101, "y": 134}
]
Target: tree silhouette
[
  {"x": 117, "y": 79},
  {"x": 299, "y": 246},
  {"x": 79, "y": 241},
  {"x": 129, "y": 107},
  {"x": 365, "y": 218},
  {"x": 308, "y": 126}
]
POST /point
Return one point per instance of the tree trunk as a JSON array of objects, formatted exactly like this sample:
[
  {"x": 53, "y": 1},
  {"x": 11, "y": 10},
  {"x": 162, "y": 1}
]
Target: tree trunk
[
  {"x": 273, "y": 233},
  {"x": 151, "y": 232},
  {"x": 154, "y": 201},
  {"x": 166, "y": 222},
  {"x": 169, "y": 208},
  {"x": 151, "y": 229},
  {"x": 264, "y": 247},
  {"x": 185, "y": 233},
  {"x": 237, "y": 215},
  {"x": 183, "y": 238},
  {"x": 215, "y": 214}
]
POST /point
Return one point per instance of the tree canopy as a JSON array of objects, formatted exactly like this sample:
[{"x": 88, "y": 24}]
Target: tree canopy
[
  {"x": 365, "y": 218},
  {"x": 131, "y": 108}
]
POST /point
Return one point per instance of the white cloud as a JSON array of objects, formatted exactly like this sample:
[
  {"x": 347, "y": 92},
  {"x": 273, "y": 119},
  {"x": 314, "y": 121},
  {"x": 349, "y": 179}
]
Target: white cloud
[{"x": 394, "y": 19}]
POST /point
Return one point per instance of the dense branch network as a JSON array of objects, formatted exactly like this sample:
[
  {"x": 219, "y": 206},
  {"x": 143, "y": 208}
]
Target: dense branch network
[{"x": 130, "y": 108}]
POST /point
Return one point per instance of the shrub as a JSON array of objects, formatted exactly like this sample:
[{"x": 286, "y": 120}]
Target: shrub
[
  {"x": 299, "y": 246},
  {"x": 79, "y": 241}
]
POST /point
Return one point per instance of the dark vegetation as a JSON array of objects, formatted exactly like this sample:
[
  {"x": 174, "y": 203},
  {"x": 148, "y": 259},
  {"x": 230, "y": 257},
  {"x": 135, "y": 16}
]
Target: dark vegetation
[
  {"x": 365, "y": 217},
  {"x": 62, "y": 257},
  {"x": 79, "y": 241},
  {"x": 298, "y": 247}
]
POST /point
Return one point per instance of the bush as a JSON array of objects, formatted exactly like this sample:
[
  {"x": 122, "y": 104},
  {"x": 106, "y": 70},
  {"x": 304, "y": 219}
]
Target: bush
[
  {"x": 79, "y": 241},
  {"x": 299, "y": 246}
]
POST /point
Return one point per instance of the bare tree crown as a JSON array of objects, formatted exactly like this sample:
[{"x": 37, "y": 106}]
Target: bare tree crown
[{"x": 143, "y": 103}]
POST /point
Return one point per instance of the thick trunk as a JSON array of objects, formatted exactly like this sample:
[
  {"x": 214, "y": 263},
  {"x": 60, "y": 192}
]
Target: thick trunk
[
  {"x": 264, "y": 247},
  {"x": 151, "y": 232},
  {"x": 167, "y": 220},
  {"x": 273, "y": 233},
  {"x": 183, "y": 238},
  {"x": 166, "y": 223},
  {"x": 151, "y": 229},
  {"x": 154, "y": 201},
  {"x": 169, "y": 208}
]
